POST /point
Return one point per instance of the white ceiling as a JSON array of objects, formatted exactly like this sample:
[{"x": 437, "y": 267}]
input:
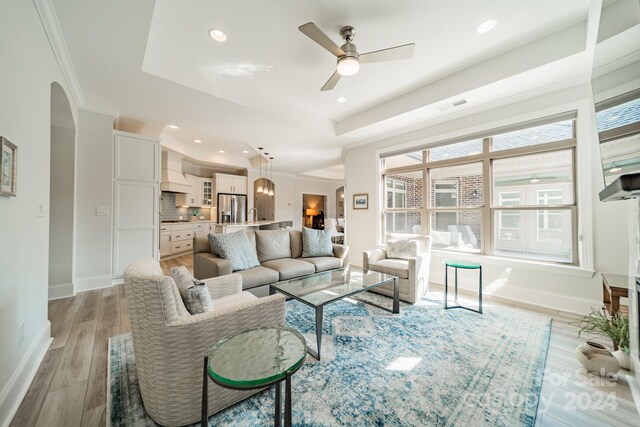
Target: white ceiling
[{"x": 153, "y": 61}]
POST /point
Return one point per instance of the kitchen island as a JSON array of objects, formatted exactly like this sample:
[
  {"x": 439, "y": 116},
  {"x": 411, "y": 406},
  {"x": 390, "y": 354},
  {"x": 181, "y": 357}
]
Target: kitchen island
[{"x": 230, "y": 227}]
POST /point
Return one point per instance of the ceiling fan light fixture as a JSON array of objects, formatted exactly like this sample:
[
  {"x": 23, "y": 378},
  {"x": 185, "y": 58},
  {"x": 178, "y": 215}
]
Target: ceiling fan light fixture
[
  {"x": 487, "y": 26},
  {"x": 615, "y": 169},
  {"x": 348, "y": 66},
  {"x": 217, "y": 34}
]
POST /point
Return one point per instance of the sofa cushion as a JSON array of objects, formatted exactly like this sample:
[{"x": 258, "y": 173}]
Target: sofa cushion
[
  {"x": 272, "y": 244},
  {"x": 258, "y": 276},
  {"x": 235, "y": 299},
  {"x": 195, "y": 294},
  {"x": 325, "y": 263},
  {"x": 396, "y": 267},
  {"x": 295, "y": 236},
  {"x": 289, "y": 268},
  {"x": 316, "y": 243},
  {"x": 403, "y": 249},
  {"x": 235, "y": 247}
]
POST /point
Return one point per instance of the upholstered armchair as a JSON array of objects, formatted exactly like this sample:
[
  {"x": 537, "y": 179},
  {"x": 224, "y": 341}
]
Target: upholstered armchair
[
  {"x": 170, "y": 344},
  {"x": 409, "y": 259}
]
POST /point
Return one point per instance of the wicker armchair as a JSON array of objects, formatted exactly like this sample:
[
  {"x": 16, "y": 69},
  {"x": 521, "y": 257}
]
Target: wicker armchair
[
  {"x": 170, "y": 344},
  {"x": 413, "y": 272}
]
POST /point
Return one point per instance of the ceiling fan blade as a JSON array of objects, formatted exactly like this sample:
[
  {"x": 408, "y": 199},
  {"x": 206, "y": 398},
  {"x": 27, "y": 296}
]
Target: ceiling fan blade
[
  {"x": 316, "y": 34},
  {"x": 391, "y": 54},
  {"x": 332, "y": 82}
]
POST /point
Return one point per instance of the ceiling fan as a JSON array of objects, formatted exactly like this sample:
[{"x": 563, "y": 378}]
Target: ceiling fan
[{"x": 348, "y": 58}]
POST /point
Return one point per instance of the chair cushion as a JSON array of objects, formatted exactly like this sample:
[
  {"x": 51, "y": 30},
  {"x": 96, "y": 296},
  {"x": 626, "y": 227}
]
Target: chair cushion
[
  {"x": 316, "y": 243},
  {"x": 258, "y": 276},
  {"x": 289, "y": 268},
  {"x": 396, "y": 267},
  {"x": 194, "y": 293},
  {"x": 325, "y": 263},
  {"x": 235, "y": 299},
  {"x": 236, "y": 248},
  {"x": 403, "y": 249},
  {"x": 272, "y": 244}
]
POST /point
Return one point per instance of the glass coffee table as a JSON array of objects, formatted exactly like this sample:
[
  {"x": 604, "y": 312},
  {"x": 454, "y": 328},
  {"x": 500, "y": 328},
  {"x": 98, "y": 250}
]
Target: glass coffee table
[
  {"x": 253, "y": 359},
  {"x": 320, "y": 289}
]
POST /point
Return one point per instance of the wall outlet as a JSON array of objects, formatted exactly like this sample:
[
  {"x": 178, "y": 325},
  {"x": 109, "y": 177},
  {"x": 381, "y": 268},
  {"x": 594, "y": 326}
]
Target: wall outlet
[
  {"x": 21, "y": 333},
  {"x": 102, "y": 210}
]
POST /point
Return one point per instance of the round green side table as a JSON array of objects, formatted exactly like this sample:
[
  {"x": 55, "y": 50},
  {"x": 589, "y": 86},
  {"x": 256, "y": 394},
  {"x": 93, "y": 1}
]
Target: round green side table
[
  {"x": 253, "y": 359},
  {"x": 466, "y": 265}
]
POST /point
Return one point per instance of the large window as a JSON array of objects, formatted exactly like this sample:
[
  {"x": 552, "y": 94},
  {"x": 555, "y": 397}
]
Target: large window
[{"x": 511, "y": 193}]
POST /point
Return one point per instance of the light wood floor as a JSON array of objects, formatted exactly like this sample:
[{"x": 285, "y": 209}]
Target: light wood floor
[{"x": 70, "y": 387}]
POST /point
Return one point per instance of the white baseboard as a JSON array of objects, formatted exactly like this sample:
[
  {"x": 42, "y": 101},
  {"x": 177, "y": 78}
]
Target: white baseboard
[
  {"x": 91, "y": 283},
  {"x": 17, "y": 386},
  {"x": 64, "y": 290}
]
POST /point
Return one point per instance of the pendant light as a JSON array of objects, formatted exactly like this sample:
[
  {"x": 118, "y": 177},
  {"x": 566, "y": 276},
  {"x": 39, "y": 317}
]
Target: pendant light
[
  {"x": 260, "y": 189},
  {"x": 265, "y": 189},
  {"x": 271, "y": 193}
]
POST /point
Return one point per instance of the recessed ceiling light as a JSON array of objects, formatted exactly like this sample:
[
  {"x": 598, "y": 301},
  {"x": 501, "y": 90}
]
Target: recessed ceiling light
[
  {"x": 534, "y": 180},
  {"x": 615, "y": 169},
  {"x": 197, "y": 141},
  {"x": 245, "y": 151},
  {"x": 342, "y": 100},
  {"x": 217, "y": 34},
  {"x": 487, "y": 26},
  {"x": 173, "y": 126},
  {"x": 221, "y": 151}
]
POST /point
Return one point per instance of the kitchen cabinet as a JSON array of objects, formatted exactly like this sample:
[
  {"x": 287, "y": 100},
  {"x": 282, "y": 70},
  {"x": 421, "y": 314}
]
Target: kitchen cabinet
[
  {"x": 194, "y": 198},
  {"x": 177, "y": 238},
  {"x": 206, "y": 191},
  {"x": 165, "y": 240},
  {"x": 233, "y": 184}
]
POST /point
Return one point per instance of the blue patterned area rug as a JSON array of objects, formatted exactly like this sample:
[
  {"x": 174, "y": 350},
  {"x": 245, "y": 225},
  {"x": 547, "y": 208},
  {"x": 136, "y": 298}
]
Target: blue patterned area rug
[{"x": 425, "y": 366}]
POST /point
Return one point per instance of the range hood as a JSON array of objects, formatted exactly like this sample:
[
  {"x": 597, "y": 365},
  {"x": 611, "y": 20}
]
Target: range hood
[
  {"x": 624, "y": 187},
  {"x": 172, "y": 178}
]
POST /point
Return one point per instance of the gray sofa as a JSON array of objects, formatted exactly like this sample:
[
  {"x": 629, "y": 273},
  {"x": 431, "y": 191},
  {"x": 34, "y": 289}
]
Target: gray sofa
[{"x": 280, "y": 256}]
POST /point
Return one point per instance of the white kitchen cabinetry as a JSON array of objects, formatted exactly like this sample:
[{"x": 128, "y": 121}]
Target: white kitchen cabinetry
[
  {"x": 165, "y": 242},
  {"x": 136, "y": 197},
  {"x": 206, "y": 190},
  {"x": 194, "y": 198},
  {"x": 234, "y": 184}
]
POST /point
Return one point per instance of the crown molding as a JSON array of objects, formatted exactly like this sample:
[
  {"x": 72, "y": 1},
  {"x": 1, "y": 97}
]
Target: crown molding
[{"x": 51, "y": 27}]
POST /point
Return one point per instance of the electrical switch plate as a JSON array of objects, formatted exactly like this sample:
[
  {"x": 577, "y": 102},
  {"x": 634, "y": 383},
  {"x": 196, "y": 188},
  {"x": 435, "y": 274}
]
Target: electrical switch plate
[
  {"x": 40, "y": 208},
  {"x": 102, "y": 210}
]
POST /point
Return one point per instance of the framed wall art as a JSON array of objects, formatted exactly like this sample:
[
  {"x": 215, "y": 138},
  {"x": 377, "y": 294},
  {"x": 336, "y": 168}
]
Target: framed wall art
[
  {"x": 8, "y": 168},
  {"x": 361, "y": 201}
]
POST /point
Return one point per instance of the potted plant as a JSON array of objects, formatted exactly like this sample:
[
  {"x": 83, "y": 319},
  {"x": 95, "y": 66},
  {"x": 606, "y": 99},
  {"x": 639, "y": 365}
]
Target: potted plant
[{"x": 615, "y": 327}]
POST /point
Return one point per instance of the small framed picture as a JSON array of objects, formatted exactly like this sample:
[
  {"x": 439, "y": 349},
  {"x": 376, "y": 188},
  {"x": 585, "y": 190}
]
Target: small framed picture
[
  {"x": 8, "y": 166},
  {"x": 361, "y": 201}
]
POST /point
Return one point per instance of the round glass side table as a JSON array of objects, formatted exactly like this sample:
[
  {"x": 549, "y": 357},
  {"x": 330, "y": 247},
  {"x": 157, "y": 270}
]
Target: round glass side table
[
  {"x": 466, "y": 265},
  {"x": 253, "y": 359}
]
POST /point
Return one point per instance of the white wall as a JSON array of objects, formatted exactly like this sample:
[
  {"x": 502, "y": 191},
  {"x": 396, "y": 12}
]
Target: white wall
[
  {"x": 28, "y": 69},
  {"x": 288, "y": 195},
  {"x": 571, "y": 289},
  {"x": 61, "y": 212},
  {"x": 94, "y": 184}
]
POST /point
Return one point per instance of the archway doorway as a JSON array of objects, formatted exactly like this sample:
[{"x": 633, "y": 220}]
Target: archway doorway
[
  {"x": 314, "y": 210},
  {"x": 61, "y": 195},
  {"x": 340, "y": 202},
  {"x": 264, "y": 203}
]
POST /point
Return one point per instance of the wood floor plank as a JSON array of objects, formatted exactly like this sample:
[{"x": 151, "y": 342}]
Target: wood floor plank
[
  {"x": 109, "y": 312},
  {"x": 63, "y": 407},
  {"x": 97, "y": 387},
  {"x": 90, "y": 306},
  {"x": 54, "y": 306},
  {"x": 29, "y": 409},
  {"x": 62, "y": 323},
  {"x": 75, "y": 364},
  {"x": 96, "y": 417},
  {"x": 125, "y": 322}
]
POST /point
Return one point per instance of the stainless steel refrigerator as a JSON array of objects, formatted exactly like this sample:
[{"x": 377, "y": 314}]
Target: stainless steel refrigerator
[{"x": 232, "y": 208}]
